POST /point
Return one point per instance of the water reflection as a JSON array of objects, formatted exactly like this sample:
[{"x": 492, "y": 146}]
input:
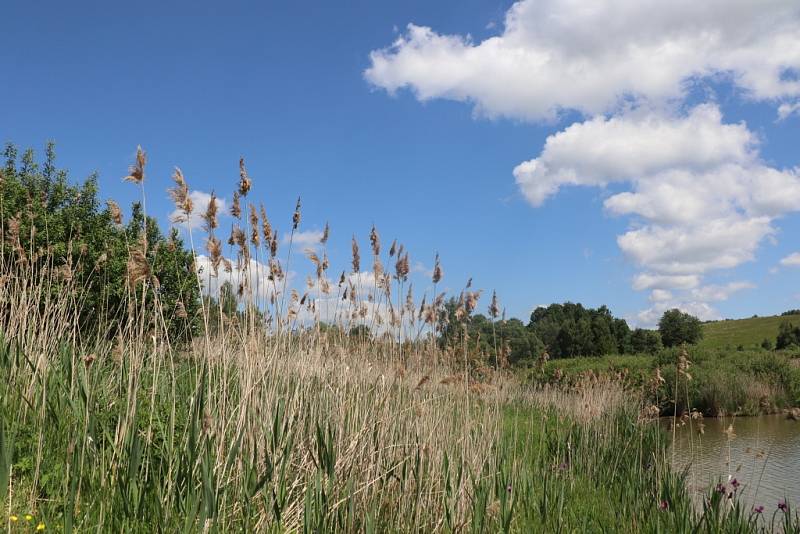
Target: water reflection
[{"x": 762, "y": 453}]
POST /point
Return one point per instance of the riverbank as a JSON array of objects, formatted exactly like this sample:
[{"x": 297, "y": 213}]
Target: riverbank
[{"x": 714, "y": 383}]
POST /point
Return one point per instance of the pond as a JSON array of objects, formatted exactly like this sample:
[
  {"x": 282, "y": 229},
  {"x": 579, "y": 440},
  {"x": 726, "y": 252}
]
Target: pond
[{"x": 761, "y": 453}]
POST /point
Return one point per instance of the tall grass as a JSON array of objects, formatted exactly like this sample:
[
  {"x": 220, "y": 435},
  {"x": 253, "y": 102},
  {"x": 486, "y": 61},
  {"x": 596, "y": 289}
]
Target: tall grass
[{"x": 277, "y": 421}]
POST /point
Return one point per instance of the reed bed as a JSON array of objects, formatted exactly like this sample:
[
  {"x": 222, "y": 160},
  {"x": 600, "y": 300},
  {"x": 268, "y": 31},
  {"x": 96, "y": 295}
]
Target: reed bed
[{"x": 277, "y": 418}]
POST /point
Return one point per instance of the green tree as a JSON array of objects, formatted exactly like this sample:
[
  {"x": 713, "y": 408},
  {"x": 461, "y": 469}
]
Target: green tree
[
  {"x": 645, "y": 341},
  {"x": 60, "y": 224},
  {"x": 677, "y": 327},
  {"x": 788, "y": 335},
  {"x": 569, "y": 329}
]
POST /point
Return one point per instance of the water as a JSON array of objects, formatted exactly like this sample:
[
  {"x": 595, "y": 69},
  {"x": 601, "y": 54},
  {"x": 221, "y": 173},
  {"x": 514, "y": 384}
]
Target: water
[{"x": 762, "y": 453}]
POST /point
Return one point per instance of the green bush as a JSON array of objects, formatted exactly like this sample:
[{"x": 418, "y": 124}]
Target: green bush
[{"x": 47, "y": 222}]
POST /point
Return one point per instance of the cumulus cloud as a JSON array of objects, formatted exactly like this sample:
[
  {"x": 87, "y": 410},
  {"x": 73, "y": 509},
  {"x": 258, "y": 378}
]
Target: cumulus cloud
[
  {"x": 712, "y": 293},
  {"x": 256, "y": 274},
  {"x": 303, "y": 239},
  {"x": 200, "y": 201},
  {"x": 644, "y": 281},
  {"x": 660, "y": 295},
  {"x": 695, "y": 189},
  {"x": 792, "y": 260},
  {"x": 695, "y": 301},
  {"x": 649, "y": 317},
  {"x": 787, "y": 109},
  {"x": 700, "y": 197},
  {"x": 592, "y": 56}
]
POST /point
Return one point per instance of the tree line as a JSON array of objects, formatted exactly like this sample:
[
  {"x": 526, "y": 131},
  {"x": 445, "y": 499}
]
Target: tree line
[{"x": 567, "y": 330}]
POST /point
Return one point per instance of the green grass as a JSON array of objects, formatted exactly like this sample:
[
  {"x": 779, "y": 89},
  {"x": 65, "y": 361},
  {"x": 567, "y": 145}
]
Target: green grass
[
  {"x": 748, "y": 333},
  {"x": 723, "y": 382},
  {"x": 549, "y": 470}
]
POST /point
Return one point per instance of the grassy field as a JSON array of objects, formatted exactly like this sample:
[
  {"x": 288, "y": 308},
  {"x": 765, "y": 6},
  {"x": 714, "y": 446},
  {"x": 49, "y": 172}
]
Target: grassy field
[{"x": 749, "y": 333}]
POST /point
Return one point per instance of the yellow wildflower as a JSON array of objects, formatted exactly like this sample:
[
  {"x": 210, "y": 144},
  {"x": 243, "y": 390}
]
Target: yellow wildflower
[
  {"x": 13, "y": 518},
  {"x": 28, "y": 517},
  {"x": 40, "y": 526}
]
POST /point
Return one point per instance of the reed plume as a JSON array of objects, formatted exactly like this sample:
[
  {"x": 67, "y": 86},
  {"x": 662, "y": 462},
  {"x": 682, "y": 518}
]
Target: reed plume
[
  {"x": 313, "y": 258},
  {"x": 210, "y": 216},
  {"x": 214, "y": 248},
  {"x": 275, "y": 269},
  {"x": 245, "y": 183},
  {"x": 115, "y": 212},
  {"x": 402, "y": 268},
  {"x": 273, "y": 244},
  {"x": 236, "y": 208},
  {"x": 138, "y": 268},
  {"x": 356, "y": 256},
  {"x": 325, "y": 234},
  {"x": 266, "y": 227},
  {"x": 180, "y": 310},
  {"x": 437, "y": 270},
  {"x": 494, "y": 307},
  {"x": 375, "y": 241},
  {"x": 180, "y": 196},
  {"x": 137, "y": 169},
  {"x": 254, "y": 237},
  {"x": 296, "y": 215},
  {"x": 410, "y": 307},
  {"x": 683, "y": 362}
]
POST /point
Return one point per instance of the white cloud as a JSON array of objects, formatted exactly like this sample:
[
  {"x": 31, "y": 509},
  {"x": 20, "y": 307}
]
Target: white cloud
[
  {"x": 694, "y": 301},
  {"x": 712, "y": 293},
  {"x": 699, "y": 196},
  {"x": 593, "y": 55},
  {"x": 792, "y": 260},
  {"x": 704, "y": 198},
  {"x": 649, "y": 318},
  {"x": 787, "y": 109},
  {"x": 200, "y": 201},
  {"x": 697, "y": 193},
  {"x": 303, "y": 239},
  {"x": 660, "y": 295},
  {"x": 256, "y": 275},
  {"x": 660, "y": 281}
]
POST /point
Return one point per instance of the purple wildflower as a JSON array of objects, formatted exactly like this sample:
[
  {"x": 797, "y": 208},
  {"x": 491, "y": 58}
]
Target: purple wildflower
[
  {"x": 721, "y": 489},
  {"x": 782, "y": 506},
  {"x": 758, "y": 509},
  {"x": 663, "y": 505},
  {"x": 735, "y": 484}
]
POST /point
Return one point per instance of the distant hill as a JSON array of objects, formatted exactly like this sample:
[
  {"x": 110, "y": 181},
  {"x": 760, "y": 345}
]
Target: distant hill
[{"x": 745, "y": 332}]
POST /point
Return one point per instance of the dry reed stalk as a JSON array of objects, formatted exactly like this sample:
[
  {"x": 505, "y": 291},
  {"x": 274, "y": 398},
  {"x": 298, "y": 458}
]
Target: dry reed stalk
[
  {"x": 437, "y": 271},
  {"x": 236, "y": 208},
  {"x": 180, "y": 197},
  {"x": 114, "y": 212},
  {"x": 296, "y": 215},
  {"x": 326, "y": 232},
  {"x": 210, "y": 216},
  {"x": 136, "y": 172},
  {"x": 254, "y": 235},
  {"x": 356, "y": 257},
  {"x": 245, "y": 183}
]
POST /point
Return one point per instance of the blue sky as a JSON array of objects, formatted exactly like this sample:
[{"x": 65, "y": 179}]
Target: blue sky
[{"x": 419, "y": 129}]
